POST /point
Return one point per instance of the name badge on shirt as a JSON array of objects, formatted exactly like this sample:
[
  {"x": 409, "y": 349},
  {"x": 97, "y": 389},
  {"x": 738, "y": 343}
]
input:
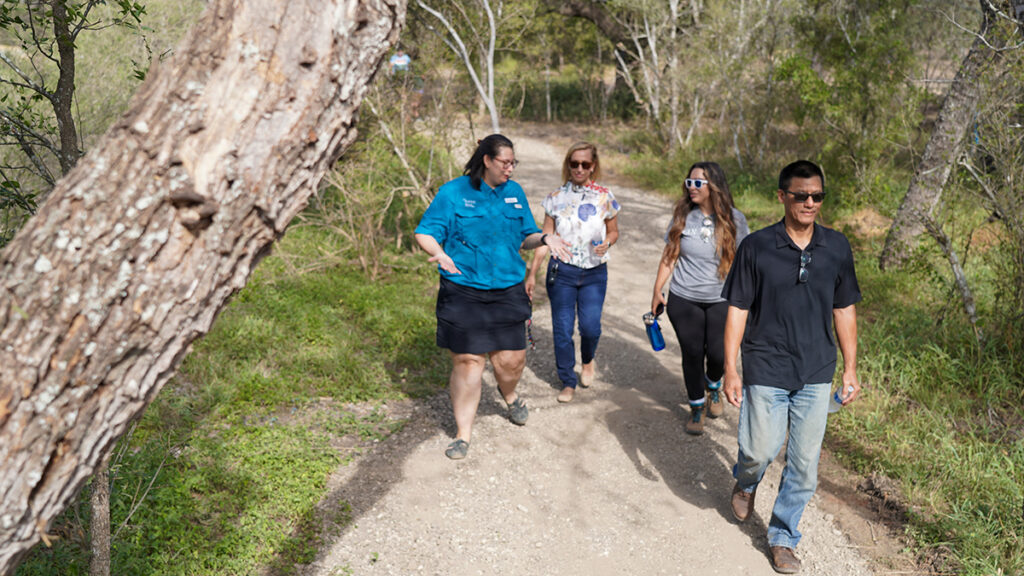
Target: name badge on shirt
[{"x": 511, "y": 200}]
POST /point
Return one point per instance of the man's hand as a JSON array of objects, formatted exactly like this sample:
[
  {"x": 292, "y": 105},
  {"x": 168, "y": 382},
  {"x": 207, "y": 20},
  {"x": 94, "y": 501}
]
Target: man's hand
[
  {"x": 851, "y": 387},
  {"x": 530, "y": 284},
  {"x": 732, "y": 387}
]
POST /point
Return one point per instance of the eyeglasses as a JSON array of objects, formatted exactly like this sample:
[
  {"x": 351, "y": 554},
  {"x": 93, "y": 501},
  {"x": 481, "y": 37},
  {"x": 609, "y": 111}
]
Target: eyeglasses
[
  {"x": 802, "y": 197},
  {"x": 805, "y": 259},
  {"x": 506, "y": 164},
  {"x": 694, "y": 183},
  {"x": 585, "y": 165}
]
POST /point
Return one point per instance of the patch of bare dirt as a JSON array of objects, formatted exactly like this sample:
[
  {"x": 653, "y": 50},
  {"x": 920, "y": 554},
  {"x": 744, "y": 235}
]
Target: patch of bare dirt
[{"x": 866, "y": 223}]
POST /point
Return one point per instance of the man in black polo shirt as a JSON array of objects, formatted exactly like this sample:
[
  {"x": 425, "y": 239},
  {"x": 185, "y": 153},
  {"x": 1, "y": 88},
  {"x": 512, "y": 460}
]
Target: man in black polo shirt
[{"x": 789, "y": 284}]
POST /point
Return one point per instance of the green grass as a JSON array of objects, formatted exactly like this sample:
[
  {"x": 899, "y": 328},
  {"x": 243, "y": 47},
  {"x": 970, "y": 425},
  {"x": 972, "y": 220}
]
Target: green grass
[{"x": 943, "y": 417}]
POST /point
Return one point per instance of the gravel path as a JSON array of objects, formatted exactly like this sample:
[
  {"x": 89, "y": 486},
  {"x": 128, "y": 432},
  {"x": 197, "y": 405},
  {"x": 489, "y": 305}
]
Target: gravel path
[{"x": 608, "y": 484}]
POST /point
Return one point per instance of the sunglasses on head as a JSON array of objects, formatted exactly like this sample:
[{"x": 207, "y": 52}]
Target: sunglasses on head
[
  {"x": 818, "y": 197},
  {"x": 695, "y": 183},
  {"x": 575, "y": 164}
]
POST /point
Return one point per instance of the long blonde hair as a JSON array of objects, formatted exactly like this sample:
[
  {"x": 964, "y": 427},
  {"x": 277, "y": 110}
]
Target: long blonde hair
[{"x": 721, "y": 207}]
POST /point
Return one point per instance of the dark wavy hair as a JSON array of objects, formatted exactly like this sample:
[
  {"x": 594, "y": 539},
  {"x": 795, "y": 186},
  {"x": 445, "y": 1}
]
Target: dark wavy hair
[
  {"x": 490, "y": 146},
  {"x": 721, "y": 207}
]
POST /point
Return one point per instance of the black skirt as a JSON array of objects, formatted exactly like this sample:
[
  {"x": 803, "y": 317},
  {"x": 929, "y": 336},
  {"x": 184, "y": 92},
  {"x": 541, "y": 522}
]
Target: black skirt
[{"x": 473, "y": 321}]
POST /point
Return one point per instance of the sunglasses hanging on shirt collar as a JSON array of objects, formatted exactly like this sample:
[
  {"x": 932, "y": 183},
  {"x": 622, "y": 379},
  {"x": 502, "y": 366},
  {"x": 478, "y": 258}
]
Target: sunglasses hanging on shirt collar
[{"x": 707, "y": 229}]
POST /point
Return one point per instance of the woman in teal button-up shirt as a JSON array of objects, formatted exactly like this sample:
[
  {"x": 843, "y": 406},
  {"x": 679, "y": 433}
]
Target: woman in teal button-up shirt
[{"x": 474, "y": 230}]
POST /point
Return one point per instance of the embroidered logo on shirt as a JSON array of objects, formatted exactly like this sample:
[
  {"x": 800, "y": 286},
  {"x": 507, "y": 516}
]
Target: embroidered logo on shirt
[
  {"x": 520, "y": 206},
  {"x": 511, "y": 200},
  {"x": 469, "y": 203}
]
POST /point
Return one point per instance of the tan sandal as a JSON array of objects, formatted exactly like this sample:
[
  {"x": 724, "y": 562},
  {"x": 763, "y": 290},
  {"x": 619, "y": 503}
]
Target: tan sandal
[{"x": 566, "y": 394}]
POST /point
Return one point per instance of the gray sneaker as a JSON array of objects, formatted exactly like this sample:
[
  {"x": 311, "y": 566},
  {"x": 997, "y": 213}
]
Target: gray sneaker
[
  {"x": 517, "y": 412},
  {"x": 457, "y": 450}
]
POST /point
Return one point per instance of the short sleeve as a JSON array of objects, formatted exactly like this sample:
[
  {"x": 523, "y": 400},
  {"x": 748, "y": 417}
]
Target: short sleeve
[
  {"x": 741, "y": 283},
  {"x": 437, "y": 218},
  {"x": 742, "y": 228},
  {"x": 611, "y": 206},
  {"x": 847, "y": 292},
  {"x": 529, "y": 225},
  {"x": 548, "y": 204}
]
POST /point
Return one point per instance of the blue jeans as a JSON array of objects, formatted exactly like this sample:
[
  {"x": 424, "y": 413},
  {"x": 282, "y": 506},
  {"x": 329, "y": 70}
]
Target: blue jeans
[
  {"x": 766, "y": 414},
  {"x": 573, "y": 291}
]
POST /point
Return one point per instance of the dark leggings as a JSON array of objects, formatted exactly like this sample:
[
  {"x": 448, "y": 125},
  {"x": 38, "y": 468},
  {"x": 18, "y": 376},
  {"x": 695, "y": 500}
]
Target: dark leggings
[{"x": 700, "y": 329}]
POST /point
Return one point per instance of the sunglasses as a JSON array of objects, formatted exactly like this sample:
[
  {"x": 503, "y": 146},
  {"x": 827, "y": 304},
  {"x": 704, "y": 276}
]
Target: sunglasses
[
  {"x": 695, "y": 183},
  {"x": 585, "y": 165},
  {"x": 801, "y": 197},
  {"x": 805, "y": 259}
]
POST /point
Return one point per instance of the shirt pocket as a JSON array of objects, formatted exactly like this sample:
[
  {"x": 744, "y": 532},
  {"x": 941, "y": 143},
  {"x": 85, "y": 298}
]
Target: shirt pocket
[
  {"x": 470, "y": 227},
  {"x": 511, "y": 225}
]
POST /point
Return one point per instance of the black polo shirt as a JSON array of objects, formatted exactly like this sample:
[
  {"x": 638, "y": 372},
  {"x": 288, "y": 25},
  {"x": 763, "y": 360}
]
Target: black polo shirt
[{"x": 789, "y": 340}]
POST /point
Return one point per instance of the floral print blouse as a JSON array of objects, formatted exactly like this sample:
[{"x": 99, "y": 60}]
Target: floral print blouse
[{"x": 580, "y": 213}]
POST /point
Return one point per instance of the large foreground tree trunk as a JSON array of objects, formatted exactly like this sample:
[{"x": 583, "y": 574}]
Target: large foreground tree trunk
[
  {"x": 137, "y": 249},
  {"x": 944, "y": 148}
]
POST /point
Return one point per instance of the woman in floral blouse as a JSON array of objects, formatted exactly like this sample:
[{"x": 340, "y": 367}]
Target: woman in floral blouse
[{"x": 584, "y": 215}]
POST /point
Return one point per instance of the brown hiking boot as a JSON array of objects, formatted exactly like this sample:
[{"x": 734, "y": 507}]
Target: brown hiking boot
[
  {"x": 695, "y": 426},
  {"x": 715, "y": 406},
  {"x": 742, "y": 502},
  {"x": 784, "y": 560}
]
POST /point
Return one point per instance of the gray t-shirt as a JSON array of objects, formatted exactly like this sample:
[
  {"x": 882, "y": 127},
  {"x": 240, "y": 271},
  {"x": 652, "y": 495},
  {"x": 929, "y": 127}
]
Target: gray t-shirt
[{"x": 695, "y": 276}]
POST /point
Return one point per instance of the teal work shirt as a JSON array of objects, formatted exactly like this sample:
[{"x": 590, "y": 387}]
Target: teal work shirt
[{"x": 481, "y": 230}]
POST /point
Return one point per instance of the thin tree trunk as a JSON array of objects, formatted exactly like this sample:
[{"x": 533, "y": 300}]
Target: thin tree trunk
[
  {"x": 940, "y": 154},
  {"x": 64, "y": 95},
  {"x": 99, "y": 523},
  {"x": 138, "y": 248},
  {"x": 959, "y": 277}
]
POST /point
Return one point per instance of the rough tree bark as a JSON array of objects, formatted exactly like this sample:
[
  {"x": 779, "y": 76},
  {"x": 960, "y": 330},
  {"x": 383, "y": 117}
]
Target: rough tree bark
[
  {"x": 137, "y": 249},
  {"x": 942, "y": 151}
]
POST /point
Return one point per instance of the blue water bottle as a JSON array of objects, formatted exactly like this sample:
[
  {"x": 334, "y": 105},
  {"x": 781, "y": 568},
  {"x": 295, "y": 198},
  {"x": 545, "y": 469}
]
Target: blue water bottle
[{"x": 653, "y": 330}]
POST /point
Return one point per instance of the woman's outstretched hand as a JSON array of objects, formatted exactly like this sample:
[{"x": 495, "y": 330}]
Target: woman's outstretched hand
[{"x": 558, "y": 246}]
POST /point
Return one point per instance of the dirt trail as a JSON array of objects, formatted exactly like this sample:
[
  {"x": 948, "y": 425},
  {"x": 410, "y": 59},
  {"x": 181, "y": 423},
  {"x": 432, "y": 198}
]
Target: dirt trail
[{"x": 608, "y": 484}]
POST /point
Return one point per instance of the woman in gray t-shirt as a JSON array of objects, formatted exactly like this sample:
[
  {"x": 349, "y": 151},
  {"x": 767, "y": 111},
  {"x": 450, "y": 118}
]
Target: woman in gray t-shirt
[{"x": 700, "y": 246}]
